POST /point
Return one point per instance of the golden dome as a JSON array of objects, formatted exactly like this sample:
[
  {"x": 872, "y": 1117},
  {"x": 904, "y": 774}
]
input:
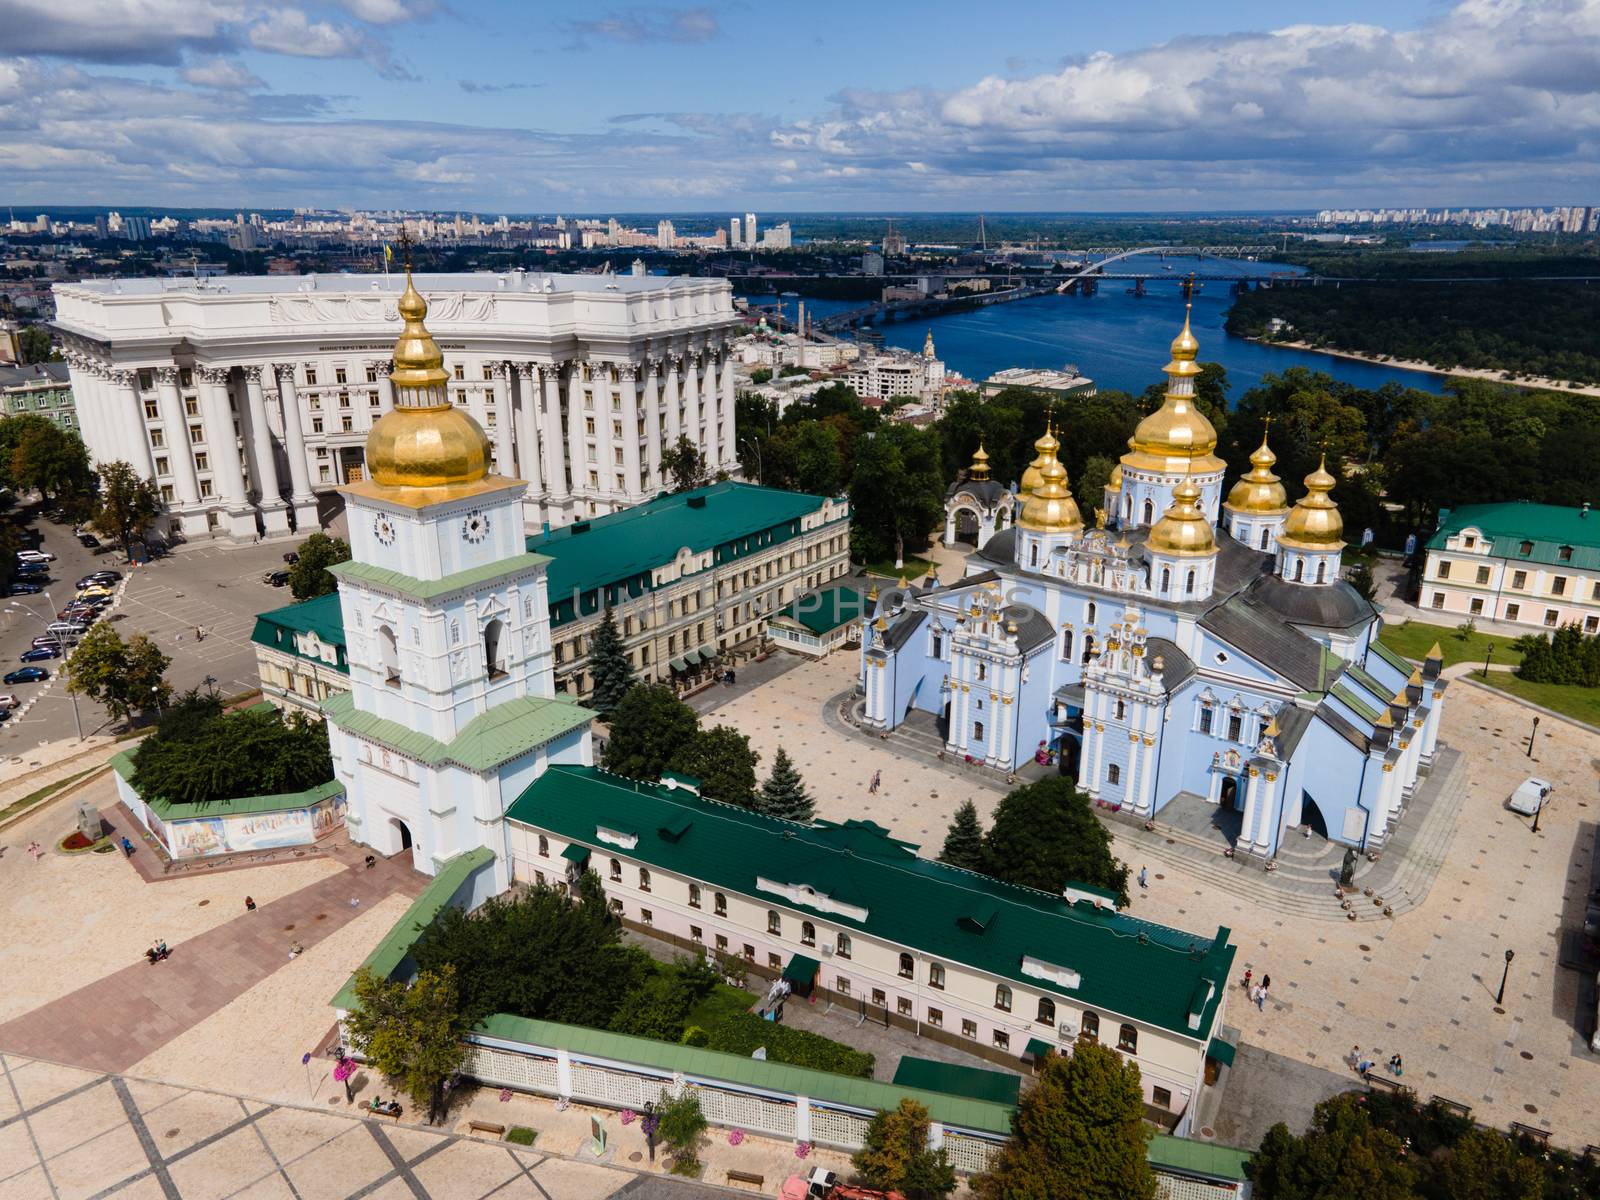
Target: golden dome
[
  {"x": 1259, "y": 490},
  {"x": 1315, "y": 523},
  {"x": 1114, "y": 484},
  {"x": 1050, "y": 507},
  {"x": 980, "y": 463},
  {"x": 1032, "y": 477},
  {"x": 1183, "y": 529},
  {"x": 424, "y": 441},
  {"x": 1177, "y": 436}
]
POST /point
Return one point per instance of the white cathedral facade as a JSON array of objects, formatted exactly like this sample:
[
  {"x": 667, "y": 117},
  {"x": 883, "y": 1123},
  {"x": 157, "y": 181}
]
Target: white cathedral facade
[{"x": 1194, "y": 643}]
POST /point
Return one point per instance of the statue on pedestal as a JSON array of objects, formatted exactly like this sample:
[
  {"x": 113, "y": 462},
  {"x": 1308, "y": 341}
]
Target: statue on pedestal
[{"x": 1347, "y": 872}]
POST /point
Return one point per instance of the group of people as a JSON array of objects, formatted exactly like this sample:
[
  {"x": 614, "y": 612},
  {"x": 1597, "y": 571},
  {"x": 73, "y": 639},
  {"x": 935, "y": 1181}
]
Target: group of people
[
  {"x": 1257, "y": 991},
  {"x": 157, "y": 952},
  {"x": 1363, "y": 1064}
]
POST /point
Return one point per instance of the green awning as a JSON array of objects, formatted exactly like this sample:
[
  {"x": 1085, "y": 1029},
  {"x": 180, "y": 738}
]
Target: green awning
[
  {"x": 1220, "y": 1051},
  {"x": 692, "y": 658},
  {"x": 707, "y": 653},
  {"x": 678, "y": 664},
  {"x": 926, "y": 1074},
  {"x": 576, "y": 854},
  {"x": 1037, "y": 1049},
  {"x": 801, "y": 971}
]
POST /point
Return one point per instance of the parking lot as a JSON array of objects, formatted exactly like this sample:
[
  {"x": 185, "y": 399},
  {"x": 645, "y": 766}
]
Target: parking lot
[{"x": 198, "y": 587}]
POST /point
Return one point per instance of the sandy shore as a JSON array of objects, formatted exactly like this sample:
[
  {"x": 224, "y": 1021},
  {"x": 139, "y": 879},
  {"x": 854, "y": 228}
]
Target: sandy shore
[{"x": 1407, "y": 364}]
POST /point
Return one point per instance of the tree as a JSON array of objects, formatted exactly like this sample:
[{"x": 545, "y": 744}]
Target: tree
[
  {"x": 37, "y": 454},
  {"x": 127, "y": 504},
  {"x": 412, "y": 1033},
  {"x": 1090, "y": 485},
  {"x": 683, "y": 463},
  {"x": 681, "y": 1125},
  {"x": 1045, "y": 836},
  {"x": 721, "y": 759},
  {"x": 1342, "y": 1154},
  {"x": 895, "y": 1155},
  {"x": 610, "y": 667},
  {"x": 963, "y": 844},
  {"x": 1360, "y": 578},
  {"x": 1078, "y": 1131},
  {"x": 783, "y": 794},
  {"x": 309, "y": 577},
  {"x": 1485, "y": 1165},
  {"x": 896, "y": 492},
  {"x": 124, "y": 677},
  {"x": 34, "y": 342},
  {"x": 649, "y": 727},
  {"x": 200, "y": 754}
]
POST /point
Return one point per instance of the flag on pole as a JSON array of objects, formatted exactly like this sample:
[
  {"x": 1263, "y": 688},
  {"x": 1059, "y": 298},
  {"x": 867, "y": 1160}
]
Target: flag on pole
[{"x": 388, "y": 257}]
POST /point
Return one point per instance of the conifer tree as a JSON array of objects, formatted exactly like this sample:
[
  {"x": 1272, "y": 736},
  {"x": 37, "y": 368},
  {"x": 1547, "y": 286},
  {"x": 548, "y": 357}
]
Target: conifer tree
[
  {"x": 608, "y": 663},
  {"x": 963, "y": 844},
  {"x": 784, "y": 792}
]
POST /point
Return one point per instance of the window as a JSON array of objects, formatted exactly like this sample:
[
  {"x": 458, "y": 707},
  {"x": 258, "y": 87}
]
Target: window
[
  {"x": 774, "y": 924},
  {"x": 1235, "y": 726},
  {"x": 151, "y": 411},
  {"x": 616, "y": 871},
  {"x": 1551, "y": 617},
  {"x": 494, "y": 650},
  {"x": 1161, "y": 1097},
  {"x": 749, "y": 952},
  {"x": 1483, "y": 574},
  {"x": 311, "y": 376},
  {"x": 644, "y": 880},
  {"x": 1564, "y": 553},
  {"x": 841, "y": 985},
  {"x": 1438, "y": 600},
  {"x": 1047, "y": 1011},
  {"x": 936, "y": 975},
  {"x": 1149, "y": 512},
  {"x": 722, "y": 942},
  {"x": 808, "y": 934},
  {"x": 879, "y": 1000},
  {"x": 1590, "y": 624},
  {"x": 1089, "y": 613},
  {"x": 1322, "y": 570},
  {"x": 163, "y": 467},
  {"x": 1265, "y": 533},
  {"x": 938, "y": 645},
  {"x": 907, "y": 967},
  {"x": 842, "y": 945},
  {"x": 694, "y": 895},
  {"x": 1444, "y": 570},
  {"x": 202, "y": 461},
  {"x": 969, "y": 1029},
  {"x": 936, "y": 1017},
  {"x": 544, "y": 846},
  {"x": 646, "y": 917},
  {"x": 460, "y": 371},
  {"x": 1122, "y": 710},
  {"x": 775, "y": 961},
  {"x": 1002, "y": 998},
  {"x": 1525, "y": 548},
  {"x": 1066, "y": 645},
  {"x": 1558, "y": 586},
  {"x": 1512, "y": 610},
  {"x": 1128, "y": 1039},
  {"x": 1300, "y": 570},
  {"x": 1188, "y": 584},
  {"x": 1002, "y": 1040},
  {"x": 1113, "y": 774},
  {"x": 719, "y": 904},
  {"x": 1206, "y": 717},
  {"x": 977, "y": 731},
  {"x": 1519, "y": 579},
  {"x": 1033, "y": 555},
  {"x": 1091, "y": 1027},
  {"x": 983, "y": 672},
  {"x": 616, "y": 907},
  {"x": 1166, "y": 579},
  {"x": 1476, "y": 606}
]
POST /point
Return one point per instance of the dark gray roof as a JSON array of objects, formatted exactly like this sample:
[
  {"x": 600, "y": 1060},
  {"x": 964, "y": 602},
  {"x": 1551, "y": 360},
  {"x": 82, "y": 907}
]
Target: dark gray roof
[
  {"x": 1176, "y": 666},
  {"x": 1293, "y": 722},
  {"x": 1342, "y": 727},
  {"x": 46, "y": 372},
  {"x": 904, "y": 626},
  {"x": 1259, "y": 633},
  {"x": 1033, "y": 627},
  {"x": 988, "y": 492},
  {"x": 1001, "y": 548},
  {"x": 1333, "y": 606}
]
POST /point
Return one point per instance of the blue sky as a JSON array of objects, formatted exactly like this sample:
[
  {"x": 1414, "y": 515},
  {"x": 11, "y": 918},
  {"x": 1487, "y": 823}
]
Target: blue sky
[{"x": 1012, "y": 104}]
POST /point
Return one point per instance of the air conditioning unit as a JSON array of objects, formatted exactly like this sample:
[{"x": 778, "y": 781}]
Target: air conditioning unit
[
  {"x": 1067, "y": 1029},
  {"x": 827, "y": 950}
]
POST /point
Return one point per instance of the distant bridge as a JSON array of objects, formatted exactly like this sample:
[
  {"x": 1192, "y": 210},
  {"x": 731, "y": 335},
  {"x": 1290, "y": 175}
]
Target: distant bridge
[{"x": 1070, "y": 284}]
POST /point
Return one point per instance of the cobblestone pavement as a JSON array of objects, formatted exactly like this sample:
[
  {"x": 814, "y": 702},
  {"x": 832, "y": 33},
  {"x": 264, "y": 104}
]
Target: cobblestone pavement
[
  {"x": 1422, "y": 983},
  {"x": 67, "y": 1133}
]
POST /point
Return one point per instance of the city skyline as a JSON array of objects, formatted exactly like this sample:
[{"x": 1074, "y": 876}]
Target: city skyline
[{"x": 1170, "y": 108}]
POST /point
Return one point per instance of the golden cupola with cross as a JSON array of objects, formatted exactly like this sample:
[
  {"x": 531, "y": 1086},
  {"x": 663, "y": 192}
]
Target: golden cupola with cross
[
  {"x": 1312, "y": 539},
  {"x": 1258, "y": 503},
  {"x": 1177, "y": 437},
  {"x": 1050, "y": 520}
]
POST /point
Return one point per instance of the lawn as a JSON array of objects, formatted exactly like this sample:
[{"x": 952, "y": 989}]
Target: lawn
[
  {"x": 1415, "y": 638},
  {"x": 914, "y": 569},
  {"x": 48, "y": 789},
  {"x": 723, "y": 1001},
  {"x": 1579, "y": 703}
]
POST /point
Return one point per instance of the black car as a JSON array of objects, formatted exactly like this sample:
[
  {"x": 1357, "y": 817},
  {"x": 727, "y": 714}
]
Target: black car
[
  {"x": 106, "y": 577},
  {"x": 291, "y": 558},
  {"x": 88, "y": 541},
  {"x": 25, "y": 569},
  {"x": 276, "y": 578},
  {"x": 25, "y": 589}
]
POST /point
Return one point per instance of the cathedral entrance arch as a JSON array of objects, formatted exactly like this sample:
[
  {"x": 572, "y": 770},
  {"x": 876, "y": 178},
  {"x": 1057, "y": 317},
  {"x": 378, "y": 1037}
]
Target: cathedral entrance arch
[
  {"x": 1229, "y": 796},
  {"x": 402, "y": 832},
  {"x": 1312, "y": 816},
  {"x": 944, "y": 722},
  {"x": 966, "y": 526}
]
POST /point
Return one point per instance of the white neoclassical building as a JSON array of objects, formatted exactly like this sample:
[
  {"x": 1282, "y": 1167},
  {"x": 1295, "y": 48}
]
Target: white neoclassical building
[{"x": 249, "y": 398}]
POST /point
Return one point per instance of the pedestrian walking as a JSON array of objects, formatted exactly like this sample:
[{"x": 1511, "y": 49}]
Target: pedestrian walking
[
  {"x": 127, "y": 847},
  {"x": 249, "y": 904},
  {"x": 1363, "y": 1066},
  {"x": 1355, "y": 1057},
  {"x": 1261, "y": 998},
  {"x": 1143, "y": 879},
  {"x": 34, "y": 849},
  {"x": 1248, "y": 974},
  {"x": 877, "y": 778},
  {"x": 1396, "y": 1066},
  {"x": 1266, "y": 982}
]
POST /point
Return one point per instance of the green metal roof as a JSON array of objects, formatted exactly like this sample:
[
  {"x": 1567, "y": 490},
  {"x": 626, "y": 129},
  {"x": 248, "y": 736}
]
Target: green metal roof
[
  {"x": 824, "y": 611},
  {"x": 1548, "y": 527},
  {"x": 488, "y": 740},
  {"x": 976, "y": 1083},
  {"x": 1184, "y": 1157},
  {"x": 623, "y": 549},
  {"x": 429, "y": 589},
  {"x": 822, "y": 1086},
  {"x": 1221, "y": 1051},
  {"x": 1354, "y": 702},
  {"x": 1392, "y": 657},
  {"x": 1135, "y": 968},
  {"x": 242, "y": 806},
  {"x": 388, "y": 954},
  {"x": 277, "y": 629}
]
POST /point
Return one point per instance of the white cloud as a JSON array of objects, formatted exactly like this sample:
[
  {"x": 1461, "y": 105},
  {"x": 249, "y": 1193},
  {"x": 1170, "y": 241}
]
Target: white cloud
[
  {"x": 115, "y": 31},
  {"x": 290, "y": 31},
  {"x": 221, "y": 73},
  {"x": 645, "y": 25},
  {"x": 388, "y": 12}
]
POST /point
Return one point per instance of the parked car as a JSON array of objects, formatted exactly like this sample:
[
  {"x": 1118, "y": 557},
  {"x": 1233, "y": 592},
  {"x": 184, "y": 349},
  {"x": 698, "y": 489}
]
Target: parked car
[
  {"x": 25, "y": 589},
  {"x": 27, "y": 675},
  {"x": 88, "y": 541},
  {"x": 68, "y": 629},
  {"x": 8, "y": 700},
  {"x": 95, "y": 577},
  {"x": 1531, "y": 795},
  {"x": 39, "y": 654},
  {"x": 45, "y": 639},
  {"x": 291, "y": 558},
  {"x": 5, "y": 715},
  {"x": 37, "y": 556},
  {"x": 33, "y": 568},
  {"x": 96, "y": 592},
  {"x": 276, "y": 578}
]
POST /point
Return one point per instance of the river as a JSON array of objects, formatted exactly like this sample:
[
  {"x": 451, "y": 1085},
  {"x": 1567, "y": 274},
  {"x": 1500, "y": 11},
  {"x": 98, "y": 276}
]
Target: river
[{"x": 1117, "y": 339}]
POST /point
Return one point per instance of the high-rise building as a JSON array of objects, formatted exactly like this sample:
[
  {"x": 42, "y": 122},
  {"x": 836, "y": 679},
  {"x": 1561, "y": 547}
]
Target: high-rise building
[
  {"x": 666, "y": 236},
  {"x": 735, "y": 236},
  {"x": 777, "y": 237},
  {"x": 749, "y": 229}
]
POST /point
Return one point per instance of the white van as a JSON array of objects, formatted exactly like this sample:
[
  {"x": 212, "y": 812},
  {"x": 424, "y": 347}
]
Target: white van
[{"x": 1531, "y": 795}]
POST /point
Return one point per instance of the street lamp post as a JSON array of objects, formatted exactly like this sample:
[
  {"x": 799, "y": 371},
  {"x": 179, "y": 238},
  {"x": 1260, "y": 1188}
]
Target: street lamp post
[
  {"x": 1500, "y": 996},
  {"x": 1532, "y": 736},
  {"x": 1487, "y": 655}
]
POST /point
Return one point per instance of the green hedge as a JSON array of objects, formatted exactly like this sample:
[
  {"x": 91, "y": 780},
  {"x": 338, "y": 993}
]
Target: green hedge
[
  {"x": 520, "y": 1135},
  {"x": 745, "y": 1032}
]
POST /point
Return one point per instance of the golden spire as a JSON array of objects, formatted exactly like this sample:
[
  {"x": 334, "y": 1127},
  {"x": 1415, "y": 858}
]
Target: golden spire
[
  {"x": 1259, "y": 490},
  {"x": 1050, "y": 507},
  {"x": 980, "y": 463},
  {"x": 1047, "y": 447},
  {"x": 1185, "y": 347},
  {"x": 1183, "y": 529},
  {"x": 1177, "y": 435},
  {"x": 1435, "y": 654},
  {"x": 1416, "y": 677},
  {"x": 1315, "y": 523}
]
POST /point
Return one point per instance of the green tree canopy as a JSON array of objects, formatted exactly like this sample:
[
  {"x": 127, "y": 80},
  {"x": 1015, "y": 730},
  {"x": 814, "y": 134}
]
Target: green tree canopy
[
  {"x": 682, "y": 1126},
  {"x": 783, "y": 793},
  {"x": 125, "y": 677},
  {"x": 1078, "y": 1131},
  {"x": 34, "y": 342},
  {"x": 1045, "y": 835},
  {"x": 199, "y": 753},
  {"x": 896, "y": 1156},
  {"x": 1343, "y": 1154},
  {"x": 37, "y": 454},
  {"x": 721, "y": 759},
  {"x": 648, "y": 729},
  {"x": 309, "y": 577},
  {"x": 963, "y": 843},
  {"x": 684, "y": 465},
  {"x": 127, "y": 504},
  {"x": 412, "y": 1033},
  {"x": 610, "y": 666},
  {"x": 896, "y": 492}
]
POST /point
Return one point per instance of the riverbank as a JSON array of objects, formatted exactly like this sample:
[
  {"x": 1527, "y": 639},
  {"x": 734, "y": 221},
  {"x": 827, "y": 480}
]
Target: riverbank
[{"x": 1532, "y": 382}]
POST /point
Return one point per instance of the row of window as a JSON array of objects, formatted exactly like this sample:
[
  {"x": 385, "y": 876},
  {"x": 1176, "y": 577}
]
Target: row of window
[
  {"x": 1552, "y": 616},
  {"x": 1519, "y": 580},
  {"x": 1524, "y": 548}
]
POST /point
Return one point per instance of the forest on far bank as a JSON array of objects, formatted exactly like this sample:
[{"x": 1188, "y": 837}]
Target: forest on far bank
[{"x": 1518, "y": 327}]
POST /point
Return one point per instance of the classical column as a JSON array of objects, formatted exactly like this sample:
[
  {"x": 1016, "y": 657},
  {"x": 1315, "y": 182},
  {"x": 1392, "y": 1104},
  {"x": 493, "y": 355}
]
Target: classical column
[
  {"x": 606, "y": 446},
  {"x": 674, "y": 397},
  {"x": 226, "y": 459},
  {"x": 301, "y": 498},
  {"x": 555, "y": 455},
  {"x": 525, "y": 403},
  {"x": 728, "y": 397},
  {"x": 385, "y": 384},
  {"x": 691, "y": 399},
  {"x": 709, "y": 405},
  {"x": 176, "y": 423},
  {"x": 1252, "y": 802},
  {"x": 264, "y": 466},
  {"x": 504, "y": 416},
  {"x": 577, "y": 447},
  {"x": 124, "y": 398},
  {"x": 652, "y": 421},
  {"x": 628, "y": 374}
]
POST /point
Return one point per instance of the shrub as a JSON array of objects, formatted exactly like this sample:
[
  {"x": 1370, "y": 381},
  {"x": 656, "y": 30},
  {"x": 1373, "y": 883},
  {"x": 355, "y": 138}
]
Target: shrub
[
  {"x": 681, "y": 1126},
  {"x": 199, "y": 753},
  {"x": 744, "y": 1033},
  {"x": 695, "y": 1036},
  {"x": 520, "y": 1135}
]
